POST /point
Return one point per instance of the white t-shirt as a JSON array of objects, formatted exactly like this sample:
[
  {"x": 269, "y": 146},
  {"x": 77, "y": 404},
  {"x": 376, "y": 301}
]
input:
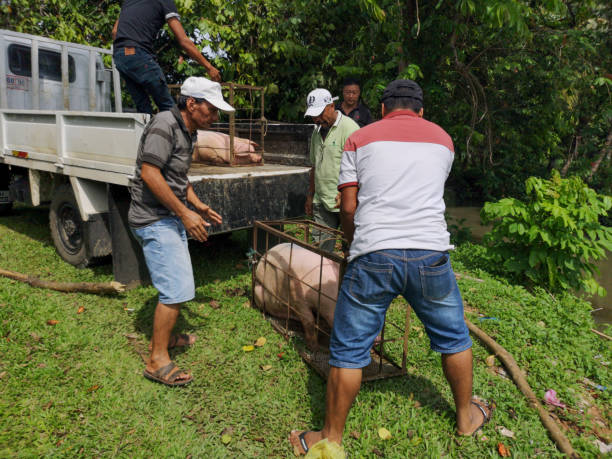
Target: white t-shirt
[{"x": 400, "y": 165}]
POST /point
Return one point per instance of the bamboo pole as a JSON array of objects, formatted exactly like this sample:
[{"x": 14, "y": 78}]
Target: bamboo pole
[
  {"x": 98, "y": 288},
  {"x": 519, "y": 379}
]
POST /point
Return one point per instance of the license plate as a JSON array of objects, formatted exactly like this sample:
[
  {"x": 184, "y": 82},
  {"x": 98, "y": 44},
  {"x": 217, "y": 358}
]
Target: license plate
[{"x": 4, "y": 197}]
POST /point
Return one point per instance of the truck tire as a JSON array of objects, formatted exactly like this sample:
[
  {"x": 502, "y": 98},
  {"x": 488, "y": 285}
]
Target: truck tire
[{"x": 67, "y": 228}]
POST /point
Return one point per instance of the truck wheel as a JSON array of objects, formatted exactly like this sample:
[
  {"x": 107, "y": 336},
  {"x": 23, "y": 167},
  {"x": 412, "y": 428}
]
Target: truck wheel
[{"x": 67, "y": 229}]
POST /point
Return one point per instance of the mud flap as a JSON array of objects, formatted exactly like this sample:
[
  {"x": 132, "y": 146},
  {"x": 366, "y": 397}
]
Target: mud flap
[{"x": 128, "y": 261}]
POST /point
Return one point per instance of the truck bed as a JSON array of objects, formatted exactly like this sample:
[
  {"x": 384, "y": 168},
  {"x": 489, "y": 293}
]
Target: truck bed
[
  {"x": 249, "y": 193},
  {"x": 96, "y": 149}
]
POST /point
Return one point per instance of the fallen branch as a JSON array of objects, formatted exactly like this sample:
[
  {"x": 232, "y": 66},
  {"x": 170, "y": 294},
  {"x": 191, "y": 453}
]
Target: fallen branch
[
  {"x": 519, "y": 379},
  {"x": 99, "y": 288},
  {"x": 603, "y": 335}
]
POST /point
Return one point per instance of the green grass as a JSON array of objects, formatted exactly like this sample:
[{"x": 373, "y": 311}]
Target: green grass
[{"x": 76, "y": 388}]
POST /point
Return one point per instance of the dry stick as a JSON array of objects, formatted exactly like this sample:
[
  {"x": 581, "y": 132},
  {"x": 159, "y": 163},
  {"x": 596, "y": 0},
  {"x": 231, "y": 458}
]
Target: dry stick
[
  {"x": 603, "y": 335},
  {"x": 519, "y": 379},
  {"x": 100, "y": 288}
]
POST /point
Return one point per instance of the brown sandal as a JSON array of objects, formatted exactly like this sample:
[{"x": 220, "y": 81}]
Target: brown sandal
[
  {"x": 175, "y": 339},
  {"x": 166, "y": 376},
  {"x": 181, "y": 337}
]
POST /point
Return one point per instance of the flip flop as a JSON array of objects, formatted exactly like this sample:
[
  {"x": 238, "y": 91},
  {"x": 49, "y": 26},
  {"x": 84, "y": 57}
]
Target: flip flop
[
  {"x": 166, "y": 376},
  {"x": 302, "y": 443},
  {"x": 174, "y": 339},
  {"x": 485, "y": 418}
]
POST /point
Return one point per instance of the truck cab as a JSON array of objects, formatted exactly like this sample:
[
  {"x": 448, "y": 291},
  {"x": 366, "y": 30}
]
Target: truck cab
[{"x": 84, "y": 69}]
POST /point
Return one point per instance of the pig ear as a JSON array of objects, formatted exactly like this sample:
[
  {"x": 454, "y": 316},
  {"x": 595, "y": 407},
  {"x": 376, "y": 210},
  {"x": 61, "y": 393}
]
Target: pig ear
[{"x": 253, "y": 143}]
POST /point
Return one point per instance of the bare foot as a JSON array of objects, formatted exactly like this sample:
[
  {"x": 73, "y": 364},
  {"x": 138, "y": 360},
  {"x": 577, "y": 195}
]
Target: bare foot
[
  {"x": 310, "y": 438},
  {"x": 480, "y": 414}
]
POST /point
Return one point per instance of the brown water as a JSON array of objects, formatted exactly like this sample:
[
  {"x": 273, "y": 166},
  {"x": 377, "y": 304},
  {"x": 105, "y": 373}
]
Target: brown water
[{"x": 602, "y": 305}]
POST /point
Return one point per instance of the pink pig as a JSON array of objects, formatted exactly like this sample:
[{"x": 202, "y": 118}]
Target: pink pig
[
  {"x": 214, "y": 148},
  {"x": 293, "y": 275}
]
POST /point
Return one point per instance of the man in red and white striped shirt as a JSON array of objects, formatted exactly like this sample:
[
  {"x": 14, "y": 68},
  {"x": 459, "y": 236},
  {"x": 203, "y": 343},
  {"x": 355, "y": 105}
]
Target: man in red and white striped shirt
[{"x": 392, "y": 179}]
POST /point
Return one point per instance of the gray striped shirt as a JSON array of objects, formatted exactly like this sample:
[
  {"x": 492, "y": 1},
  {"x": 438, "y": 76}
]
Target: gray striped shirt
[{"x": 167, "y": 144}]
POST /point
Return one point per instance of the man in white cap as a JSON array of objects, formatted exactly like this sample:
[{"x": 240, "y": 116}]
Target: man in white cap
[
  {"x": 160, "y": 219},
  {"x": 326, "y": 147}
]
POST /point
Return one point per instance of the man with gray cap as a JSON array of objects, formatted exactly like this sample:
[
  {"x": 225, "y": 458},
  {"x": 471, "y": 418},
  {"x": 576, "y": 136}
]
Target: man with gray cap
[
  {"x": 392, "y": 211},
  {"x": 160, "y": 219},
  {"x": 326, "y": 145}
]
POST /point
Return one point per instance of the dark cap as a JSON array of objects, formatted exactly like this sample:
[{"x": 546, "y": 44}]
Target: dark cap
[{"x": 403, "y": 88}]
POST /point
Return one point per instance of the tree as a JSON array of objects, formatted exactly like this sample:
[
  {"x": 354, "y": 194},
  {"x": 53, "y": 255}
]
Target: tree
[{"x": 522, "y": 87}]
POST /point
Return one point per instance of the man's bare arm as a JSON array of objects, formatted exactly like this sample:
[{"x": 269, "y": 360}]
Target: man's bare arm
[
  {"x": 191, "y": 49},
  {"x": 310, "y": 195},
  {"x": 194, "y": 223},
  {"x": 348, "y": 206}
]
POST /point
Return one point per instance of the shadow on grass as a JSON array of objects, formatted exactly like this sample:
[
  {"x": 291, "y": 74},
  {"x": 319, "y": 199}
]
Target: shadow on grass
[
  {"x": 32, "y": 222},
  {"x": 411, "y": 386},
  {"x": 143, "y": 322}
]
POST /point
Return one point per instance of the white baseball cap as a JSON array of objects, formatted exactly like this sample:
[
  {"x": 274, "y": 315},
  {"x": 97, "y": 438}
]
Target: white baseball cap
[
  {"x": 317, "y": 100},
  {"x": 203, "y": 88}
]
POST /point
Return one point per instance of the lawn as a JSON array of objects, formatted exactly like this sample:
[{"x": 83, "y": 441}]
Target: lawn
[{"x": 75, "y": 387}]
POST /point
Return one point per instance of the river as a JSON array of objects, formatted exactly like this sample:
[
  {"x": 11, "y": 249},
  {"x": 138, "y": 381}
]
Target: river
[{"x": 602, "y": 305}]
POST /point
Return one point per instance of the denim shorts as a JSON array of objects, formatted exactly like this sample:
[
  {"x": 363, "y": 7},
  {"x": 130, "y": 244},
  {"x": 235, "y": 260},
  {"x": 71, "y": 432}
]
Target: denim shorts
[
  {"x": 424, "y": 278},
  {"x": 164, "y": 244}
]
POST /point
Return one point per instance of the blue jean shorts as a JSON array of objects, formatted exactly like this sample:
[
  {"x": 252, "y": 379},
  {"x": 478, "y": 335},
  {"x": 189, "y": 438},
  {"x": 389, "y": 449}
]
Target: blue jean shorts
[
  {"x": 424, "y": 278},
  {"x": 164, "y": 244}
]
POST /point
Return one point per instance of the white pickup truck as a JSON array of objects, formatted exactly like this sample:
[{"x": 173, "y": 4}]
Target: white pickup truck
[{"x": 61, "y": 144}]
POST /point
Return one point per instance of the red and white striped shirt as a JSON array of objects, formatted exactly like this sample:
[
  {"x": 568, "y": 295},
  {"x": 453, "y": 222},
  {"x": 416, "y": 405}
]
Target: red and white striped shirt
[{"x": 400, "y": 165}]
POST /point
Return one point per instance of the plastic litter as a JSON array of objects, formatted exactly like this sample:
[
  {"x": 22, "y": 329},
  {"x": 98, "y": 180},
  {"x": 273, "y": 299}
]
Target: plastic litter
[
  {"x": 326, "y": 449},
  {"x": 488, "y": 318},
  {"x": 550, "y": 397}
]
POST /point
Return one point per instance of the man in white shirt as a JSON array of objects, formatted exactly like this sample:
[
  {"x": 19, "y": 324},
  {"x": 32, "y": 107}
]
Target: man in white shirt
[{"x": 392, "y": 212}]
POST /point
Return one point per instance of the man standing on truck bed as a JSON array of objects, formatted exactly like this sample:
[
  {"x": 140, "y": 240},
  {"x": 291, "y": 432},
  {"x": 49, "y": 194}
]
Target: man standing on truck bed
[
  {"x": 159, "y": 216},
  {"x": 133, "y": 36},
  {"x": 326, "y": 146}
]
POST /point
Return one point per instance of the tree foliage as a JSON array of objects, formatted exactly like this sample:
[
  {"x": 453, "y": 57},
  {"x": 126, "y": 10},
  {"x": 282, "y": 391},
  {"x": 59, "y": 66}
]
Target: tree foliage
[
  {"x": 522, "y": 87},
  {"x": 552, "y": 237}
]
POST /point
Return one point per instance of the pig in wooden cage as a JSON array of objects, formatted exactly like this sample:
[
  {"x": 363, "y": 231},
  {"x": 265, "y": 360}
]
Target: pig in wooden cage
[
  {"x": 240, "y": 140},
  {"x": 295, "y": 284}
]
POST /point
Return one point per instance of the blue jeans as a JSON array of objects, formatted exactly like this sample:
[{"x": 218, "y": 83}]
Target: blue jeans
[
  {"x": 164, "y": 244},
  {"x": 143, "y": 78},
  {"x": 424, "y": 278}
]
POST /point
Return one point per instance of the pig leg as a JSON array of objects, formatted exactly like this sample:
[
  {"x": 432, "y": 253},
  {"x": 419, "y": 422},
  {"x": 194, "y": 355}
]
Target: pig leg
[{"x": 308, "y": 322}]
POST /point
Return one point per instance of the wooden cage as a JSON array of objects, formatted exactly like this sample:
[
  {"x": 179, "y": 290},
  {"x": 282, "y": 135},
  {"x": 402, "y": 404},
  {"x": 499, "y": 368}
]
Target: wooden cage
[{"x": 248, "y": 122}]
